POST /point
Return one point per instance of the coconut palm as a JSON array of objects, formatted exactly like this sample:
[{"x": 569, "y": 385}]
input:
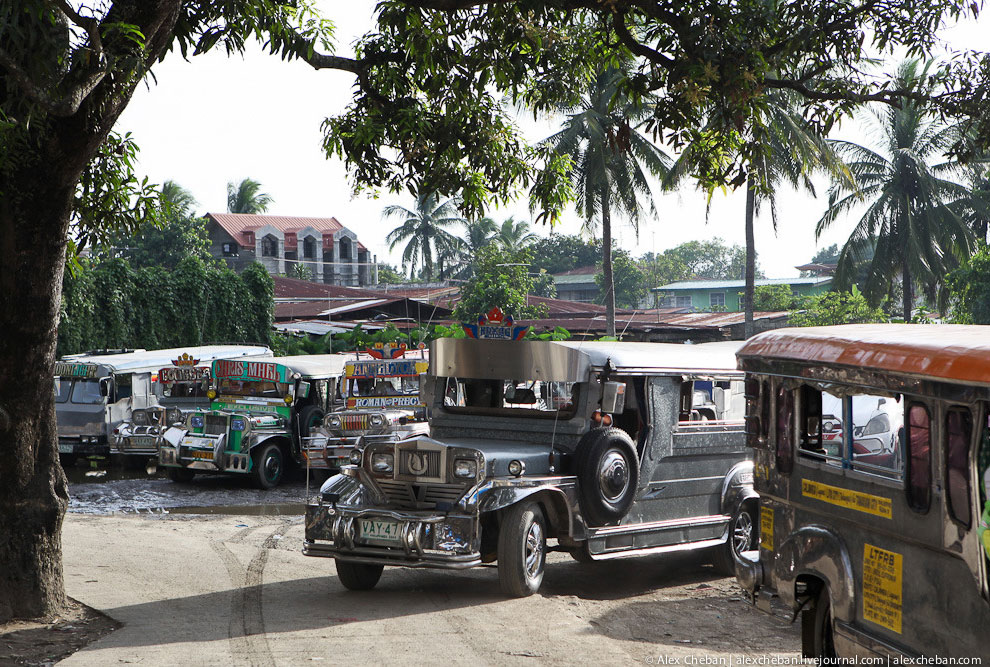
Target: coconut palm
[
  {"x": 247, "y": 197},
  {"x": 908, "y": 224},
  {"x": 610, "y": 161},
  {"x": 778, "y": 147},
  {"x": 179, "y": 202},
  {"x": 514, "y": 236},
  {"x": 424, "y": 231}
]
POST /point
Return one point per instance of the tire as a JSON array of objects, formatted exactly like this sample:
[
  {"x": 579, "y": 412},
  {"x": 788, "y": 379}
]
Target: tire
[
  {"x": 182, "y": 475},
  {"x": 522, "y": 550},
  {"x": 743, "y": 535},
  {"x": 608, "y": 474},
  {"x": 268, "y": 466},
  {"x": 358, "y": 576},
  {"x": 309, "y": 416},
  {"x": 581, "y": 554},
  {"x": 822, "y": 637}
]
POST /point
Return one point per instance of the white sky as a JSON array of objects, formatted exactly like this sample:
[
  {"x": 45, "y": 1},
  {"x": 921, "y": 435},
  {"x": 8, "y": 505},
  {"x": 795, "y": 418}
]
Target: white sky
[{"x": 212, "y": 120}]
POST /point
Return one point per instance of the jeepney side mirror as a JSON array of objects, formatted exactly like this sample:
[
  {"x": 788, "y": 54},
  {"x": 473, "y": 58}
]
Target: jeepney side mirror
[
  {"x": 106, "y": 387},
  {"x": 303, "y": 391},
  {"x": 613, "y": 397}
]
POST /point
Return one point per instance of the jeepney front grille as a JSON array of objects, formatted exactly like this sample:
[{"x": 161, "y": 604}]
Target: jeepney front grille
[
  {"x": 354, "y": 422},
  {"x": 215, "y": 425},
  {"x": 419, "y": 496},
  {"x": 413, "y": 461}
]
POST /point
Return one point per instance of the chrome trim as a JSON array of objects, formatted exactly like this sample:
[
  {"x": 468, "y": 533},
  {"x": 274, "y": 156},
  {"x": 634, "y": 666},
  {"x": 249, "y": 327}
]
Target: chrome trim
[
  {"x": 660, "y": 525},
  {"x": 686, "y": 546},
  {"x": 461, "y": 562},
  {"x": 498, "y": 360}
]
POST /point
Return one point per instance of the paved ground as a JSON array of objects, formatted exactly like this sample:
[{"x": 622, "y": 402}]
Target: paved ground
[{"x": 227, "y": 589}]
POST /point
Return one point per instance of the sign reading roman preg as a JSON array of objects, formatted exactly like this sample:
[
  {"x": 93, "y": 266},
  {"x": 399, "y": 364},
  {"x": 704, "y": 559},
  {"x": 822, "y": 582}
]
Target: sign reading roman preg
[{"x": 250, "y": 370}]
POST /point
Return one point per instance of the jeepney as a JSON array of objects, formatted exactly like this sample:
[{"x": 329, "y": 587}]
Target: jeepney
[
  {"x": 96, "y": 391},
  {"x": 178, "y": 387},
  {"x": 591, "y": 448},
  {"x": 382, "y": 403},
  {"x": 871, "y": 447},
  {"x": 260, "y": 412}
]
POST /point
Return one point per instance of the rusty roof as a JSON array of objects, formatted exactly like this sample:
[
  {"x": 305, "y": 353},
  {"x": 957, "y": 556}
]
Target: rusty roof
[{"x": 288, "y": 288}]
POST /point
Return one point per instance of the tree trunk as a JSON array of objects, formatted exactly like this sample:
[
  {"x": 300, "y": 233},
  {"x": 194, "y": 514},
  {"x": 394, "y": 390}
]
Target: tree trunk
[
  {"x": 908, "y": 301},
  {"x": 750, "y": 290},
  {"x": 607, "y": 279}
]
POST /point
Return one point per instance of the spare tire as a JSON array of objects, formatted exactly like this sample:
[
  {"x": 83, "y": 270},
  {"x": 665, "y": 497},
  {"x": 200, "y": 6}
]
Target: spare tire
[
  {"x": 310, "y": 417},
  {"x": 608, "y": 474}
]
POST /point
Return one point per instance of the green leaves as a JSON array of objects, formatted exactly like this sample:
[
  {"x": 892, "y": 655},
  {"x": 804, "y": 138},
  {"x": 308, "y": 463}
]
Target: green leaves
[{"x": 501, "y": 279}]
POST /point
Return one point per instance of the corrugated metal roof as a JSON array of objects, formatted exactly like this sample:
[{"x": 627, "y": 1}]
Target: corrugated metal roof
[
  {"x": 740, "y": 284},
  {"x": 581, "y": 270},
  {"x": 575, "y": 279},
  {"x": 286, "y": 288}
]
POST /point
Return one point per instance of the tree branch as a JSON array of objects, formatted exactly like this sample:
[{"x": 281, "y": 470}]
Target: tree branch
[
  {"x": 65, "y": 105},
  {"x": 88, "y": 23},
  {"x": 892, "y": 97},
  {"x": 619, "y": 23},
  {"x": 325, "y": 61}
]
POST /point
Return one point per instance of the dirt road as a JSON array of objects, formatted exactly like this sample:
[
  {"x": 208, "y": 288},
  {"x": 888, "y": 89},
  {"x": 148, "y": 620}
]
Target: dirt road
[{"x": 205, "y": 590}]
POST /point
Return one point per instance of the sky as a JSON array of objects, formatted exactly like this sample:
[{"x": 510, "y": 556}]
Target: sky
[{"x": 210, "y": 120}]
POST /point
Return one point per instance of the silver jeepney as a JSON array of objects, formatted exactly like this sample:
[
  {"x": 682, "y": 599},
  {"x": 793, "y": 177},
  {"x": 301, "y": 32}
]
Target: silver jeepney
[{"x": 605, "y": 449}]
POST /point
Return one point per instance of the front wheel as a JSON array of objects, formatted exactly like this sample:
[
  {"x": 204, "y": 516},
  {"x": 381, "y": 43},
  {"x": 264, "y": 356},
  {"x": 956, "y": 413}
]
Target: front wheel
[
  {"x": 522, "y": 550},
  {"x": 269, "y": 464},
  {"x": 742, "y": 537},
  {"x": 358, "y": 576}
]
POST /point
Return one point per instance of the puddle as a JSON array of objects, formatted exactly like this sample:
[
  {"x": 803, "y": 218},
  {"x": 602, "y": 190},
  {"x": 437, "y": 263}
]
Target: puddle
[{"x": 280, "y": 509}]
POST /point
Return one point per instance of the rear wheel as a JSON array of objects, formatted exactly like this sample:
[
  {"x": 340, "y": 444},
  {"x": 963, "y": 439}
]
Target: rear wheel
[
  {"x": 358, "y": 576},
  {"x": 742, "y": 537},
  {"x": 817, "y": 636},
  {"x": 181, "y": 474},
  {"x": 269, "y": 465},
  {"x": 522, "y": 550}
]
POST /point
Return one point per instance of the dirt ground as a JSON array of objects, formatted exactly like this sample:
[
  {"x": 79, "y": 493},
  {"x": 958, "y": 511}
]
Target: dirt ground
[{"x": 45, "y": 643}]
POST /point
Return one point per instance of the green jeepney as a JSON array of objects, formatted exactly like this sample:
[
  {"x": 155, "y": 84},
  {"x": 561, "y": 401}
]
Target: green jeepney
[{"x": 260, "y": 411}]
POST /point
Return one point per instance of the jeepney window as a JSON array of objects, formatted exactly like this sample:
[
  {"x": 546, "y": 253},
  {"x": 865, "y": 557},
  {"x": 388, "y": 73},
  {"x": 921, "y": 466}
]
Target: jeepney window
[
  {"x": 86, "y": 392},
  {"x": 711, "y": 399},
  {"x": 877, "y": 434},
  {"x": 263, "y": 389},
  {"x": 811, "y": 437},
  {"x": 785, "y": 430},
  {"x": 765, "y": 397},
  {"x": 526, "y": 398},
  {"x": 384, "y": 386},
  {"x": 958, "y": 434},
  {"x": 185, "y": 389},
  {"x": 919, "y": 459},
  {"x": 62, "y": 389},
  {"x": 983, "y": 465}
]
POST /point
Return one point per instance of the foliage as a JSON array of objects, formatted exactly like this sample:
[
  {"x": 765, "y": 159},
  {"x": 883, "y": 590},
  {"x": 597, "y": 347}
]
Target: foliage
[
  {"x": 543, "y": 284},
  {"x": 247, "y": 197},
  {"x": 514, "y": 235},
  {"x": 768, "y": 298},
  {"x": 424, "y": 231},
  {"x": 557, "y": 334},
  {"x": 969, "y": 289},
  {"x": 835, "y": 308},
  {"x": 908, "y": 226},
  {"x": 501, "y": 279},
  {"x": 700, "y": 260},
  {"x": 628, "y": 278},
  {"x": 300, "y": 272},
  {"x": 114, "y": 305},
  {"x": 827, "y": 255},
  {"x": 388, "y": 275},
  {"x": 558, "y": 253}
]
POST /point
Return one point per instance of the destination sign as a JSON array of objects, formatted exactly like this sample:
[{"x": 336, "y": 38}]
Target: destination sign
[
  {"x": 366, "y": 370},
  {"x": 68, "y": 370},
  {"x": 384, "y": 402},
  {"x": 249, "y": 370},
  {"x": 495, "y": 325},
  {"x": 184, "y": 374}
]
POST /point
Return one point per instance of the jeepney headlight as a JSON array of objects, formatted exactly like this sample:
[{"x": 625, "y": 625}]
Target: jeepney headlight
[
  {"x": 465, "y": 468},
  {"x": 877, "y": 425},
  {"x": 376, "y": 420},
  {"x": 196, "y": 421},
  {"x": 355, "y": 457},
  {"x": 382, "y": 463},
  {"x": 211, "y": 394},
  {"x": 173, "y": 416},
  {"x": 516, "y": 467},
  {"x": 333, "y": 421},
  {"x": 237, "y": 424},
  {"x": 140, "y": 418}
]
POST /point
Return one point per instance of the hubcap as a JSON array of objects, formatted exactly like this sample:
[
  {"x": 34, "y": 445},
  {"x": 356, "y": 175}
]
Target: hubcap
[
  {"x": 272, "y": 467},
  {"x": 742, "y": 533},
  {"x": 534, "y": 549},
  {"x": 613, "y": 475}
]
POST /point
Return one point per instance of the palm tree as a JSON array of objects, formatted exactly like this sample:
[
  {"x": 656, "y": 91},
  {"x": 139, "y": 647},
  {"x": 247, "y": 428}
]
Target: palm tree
[
  {"x": 477, "y": 234},
  {"x": 514, "y": 236},
  {"x": 909, "y": 225},
  {"x": 424, "y": 231},
  {"x": 179, "y": 202},
  {"x": 779, "y": 147},
  {"x": 608, "y": 156},
  {"x": 247, "y": 197}
]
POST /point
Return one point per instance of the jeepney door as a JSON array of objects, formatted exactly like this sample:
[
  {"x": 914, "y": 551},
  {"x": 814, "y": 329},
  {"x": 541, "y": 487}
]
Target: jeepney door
[{"x": 142, "y": 392}]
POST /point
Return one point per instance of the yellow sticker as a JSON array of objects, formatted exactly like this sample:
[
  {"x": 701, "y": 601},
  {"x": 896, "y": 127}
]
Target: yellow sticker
[
  {"x": 854, "y": 500},
  {"x": 882, "y": 587},
  {"x": 766, "y": 528}
]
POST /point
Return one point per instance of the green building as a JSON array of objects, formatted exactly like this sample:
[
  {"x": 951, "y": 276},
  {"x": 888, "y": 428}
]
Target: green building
[{"x": 727, "y": 295}]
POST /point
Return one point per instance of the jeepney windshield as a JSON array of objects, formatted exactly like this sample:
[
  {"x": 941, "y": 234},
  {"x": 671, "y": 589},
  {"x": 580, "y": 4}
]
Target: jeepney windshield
[
  {"x": 522, "y": 398},
  {"x": 86, "y": 392},
  {"x": 63, "y": 387},
  {"x": 254, "y": 388},
  {"x": 383, "y": 386},
  {"x": 184, "y": 389}
]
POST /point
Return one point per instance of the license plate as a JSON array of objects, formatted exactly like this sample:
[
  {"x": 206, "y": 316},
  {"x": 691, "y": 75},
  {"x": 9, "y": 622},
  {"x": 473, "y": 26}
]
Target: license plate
[
  {"x": 380, "y": 531},
  {"x": 142, "y": 441},
  {"x": 206, "y": 456},
  {"x": 64, "y": 449}
]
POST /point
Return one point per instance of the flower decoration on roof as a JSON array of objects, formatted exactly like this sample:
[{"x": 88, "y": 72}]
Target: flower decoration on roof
[
  {"x": 495, "y": 325},
  {"x": 387, "y": 350},
  {"x": 185, "y": 359}
]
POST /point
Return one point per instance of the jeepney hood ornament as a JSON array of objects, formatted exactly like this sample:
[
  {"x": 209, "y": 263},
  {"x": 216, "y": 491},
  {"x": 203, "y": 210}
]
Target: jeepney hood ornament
[{"x": 497, "y": 453}]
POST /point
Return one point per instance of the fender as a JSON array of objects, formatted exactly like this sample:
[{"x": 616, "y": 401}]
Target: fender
[
  {"x": 737, "y": 487},
  {"x": 493, "y": 495},
  {"x": 819, "y": 552}
]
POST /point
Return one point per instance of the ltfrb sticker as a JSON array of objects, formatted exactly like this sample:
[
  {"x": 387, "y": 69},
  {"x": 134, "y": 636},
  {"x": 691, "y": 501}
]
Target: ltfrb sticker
[{"x": 495, "y": 325}]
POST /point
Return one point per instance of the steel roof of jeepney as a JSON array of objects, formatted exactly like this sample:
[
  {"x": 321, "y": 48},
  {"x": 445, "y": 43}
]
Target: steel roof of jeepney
[
  {"x": 313, "y": 365},
  {"x": 661, "y": 356},
  {"x": 153, "y": 360},
  {"x": 945, "y": 351}
]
